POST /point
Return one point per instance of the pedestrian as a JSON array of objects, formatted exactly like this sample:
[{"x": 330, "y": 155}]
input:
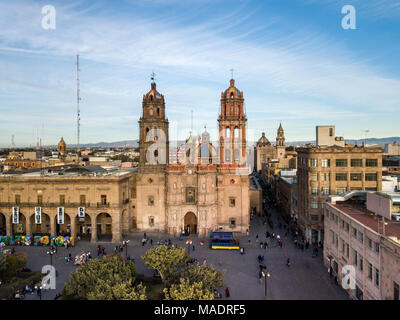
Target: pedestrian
[
  {"x": 205, "y": 261},
  {"x": 227, "y": 293},
  {"x": 143, "y": 241},
  {"x": 262, "y": 259},
  {"x": 241, "y": 250},
  {"x": 193, "y": 248},
  {"x": 259, "y": 258},
  {"x": 151, "y": 241},
  {"x": 288, "y": 262},
  {"x": 261, "y": 245},
  {"x": 249, "y": 240},
  {"x": 257, "y": 238},
  {"x": 69, "y": 257},
  {"x": 144, "y": 235},
  {"x": 265, "y": 245}
]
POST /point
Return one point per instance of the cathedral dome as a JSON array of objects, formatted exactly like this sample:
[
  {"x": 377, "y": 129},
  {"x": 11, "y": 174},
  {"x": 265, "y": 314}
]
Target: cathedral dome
[
  {"x": 153, "y": 93},
  {"x": 263, "y": 141},
  {"x": 232, "y": 91}
]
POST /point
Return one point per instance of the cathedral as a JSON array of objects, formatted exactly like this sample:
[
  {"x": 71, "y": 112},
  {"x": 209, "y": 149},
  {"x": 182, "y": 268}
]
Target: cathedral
[
  {"x": 264, "y": 151},
  {"x": 208, "y": 188}
]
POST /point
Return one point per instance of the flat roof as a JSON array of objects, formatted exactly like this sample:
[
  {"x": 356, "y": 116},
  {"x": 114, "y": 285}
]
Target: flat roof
[{"x": 368, "y": 218}]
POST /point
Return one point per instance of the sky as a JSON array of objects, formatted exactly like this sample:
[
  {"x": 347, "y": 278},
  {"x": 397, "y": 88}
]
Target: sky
[{"x": 293, "y": 60}]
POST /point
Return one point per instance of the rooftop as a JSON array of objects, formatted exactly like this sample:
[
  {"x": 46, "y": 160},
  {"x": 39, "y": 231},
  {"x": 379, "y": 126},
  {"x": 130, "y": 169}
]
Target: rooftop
[{"x": 356, "y": 209}]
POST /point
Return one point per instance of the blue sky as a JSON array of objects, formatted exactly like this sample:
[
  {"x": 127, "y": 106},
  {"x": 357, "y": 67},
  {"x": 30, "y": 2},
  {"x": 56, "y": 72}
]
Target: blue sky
[{"x": 293, "y": 60}]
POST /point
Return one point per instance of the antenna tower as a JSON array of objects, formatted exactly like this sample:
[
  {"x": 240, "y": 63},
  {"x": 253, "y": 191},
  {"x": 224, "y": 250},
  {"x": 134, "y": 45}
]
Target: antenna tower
[{"x": 78, "y": 98}]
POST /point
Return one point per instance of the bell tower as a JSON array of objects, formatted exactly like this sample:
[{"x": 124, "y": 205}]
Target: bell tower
[
  {"x": 153, "y": 136},
  {"x": 232, "y": 128},
  {"x": 280, "y": 143}
]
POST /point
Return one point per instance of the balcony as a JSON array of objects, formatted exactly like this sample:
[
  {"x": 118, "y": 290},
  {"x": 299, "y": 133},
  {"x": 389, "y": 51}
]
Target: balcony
[
  {"x": 103, "y": 204},
  {"x": 43, "y": 205}
]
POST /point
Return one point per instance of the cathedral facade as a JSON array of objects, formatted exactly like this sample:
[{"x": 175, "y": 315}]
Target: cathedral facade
[{"x": 208, "y": 188}]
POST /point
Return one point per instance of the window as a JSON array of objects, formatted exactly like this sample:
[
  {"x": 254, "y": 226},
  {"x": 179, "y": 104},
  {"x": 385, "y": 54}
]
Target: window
[
  {"x": 324, "y": 176},
  {"x": 325, "y": 191},
  {"x": 369, "y": 241},
  {"x": 151, "y": 200},
  {"x": 82, "y": 199},
  {"x": 228, "y": 132},
  {"x": 39, "y": 199},
  {"x": 313, "y": 177},
  {"x": 355, "y": 176},
  {"x": 346, "y": 227},
  {"x": 17, "y": 199},
  {"x": 62, "y": 199},
  {"x": 377, "y": 247},
  {"x": 356, "y": 162},
  {"x": 325, "y": 163},
  {"x": 314, "y": 217},
  {"x": 236, "y": 132},
  {"x": 336, "y": 220},
  {"x": 341, "y": 162},
  {"x": 190, "y": 195},
  {"x": 347, "y": 250},
  {"x": 151, "y": 221},
  {"x": 313, "y": 162},
  {"x": 340, "y": 190},
  {"x": 371, "y": 162},
  {"x": 341, "y": 176},
  {"x": 361, "y": 237},
  {"x": 331, "y": 132},
  {"x": 103, "y": 198},
  {"x": 361, "y": 264},
  {"x": 355, "y": 257},
  {"x": 333, "y": 237},
  {"x": 232, "y": 201},
  {"x": 227, "y": 155},
  {"x": 232, "y": 222},
  {"x": 236, "y": 155},
  {"x": 396, "y": 291},
  {"x": 371, "y": 177},
  {"x": 314, "y": 190},
  {"x": 314, "y": 204},
  {"x": 369, "y": 271},
  {"x": 377, "y": 277},
  {"x": 354, "y": 232}
]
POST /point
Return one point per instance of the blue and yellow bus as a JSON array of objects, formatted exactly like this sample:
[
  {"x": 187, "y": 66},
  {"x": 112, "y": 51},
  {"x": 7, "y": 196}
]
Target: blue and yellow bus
[{"x": 224, "y": 240}]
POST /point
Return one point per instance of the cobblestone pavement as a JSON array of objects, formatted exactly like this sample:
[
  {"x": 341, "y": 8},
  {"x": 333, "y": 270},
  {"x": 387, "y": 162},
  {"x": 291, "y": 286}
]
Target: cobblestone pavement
[{"x": 305, "y": 279}]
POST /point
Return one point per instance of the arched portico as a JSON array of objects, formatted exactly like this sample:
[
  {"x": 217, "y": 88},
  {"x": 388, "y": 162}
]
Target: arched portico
[
  {"x": 190, "y": 223},
  {"x": 104, "y": 226}
]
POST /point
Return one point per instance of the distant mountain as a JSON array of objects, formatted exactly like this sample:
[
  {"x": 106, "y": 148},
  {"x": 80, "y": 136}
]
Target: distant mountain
[{"x": 135, "y": 143}]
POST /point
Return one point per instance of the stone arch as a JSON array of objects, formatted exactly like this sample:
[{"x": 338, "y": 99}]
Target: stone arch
[
  {"x": 190, "y": 223},
  {"x": 3, "y": 224},
  {"x": 83, "y": 227},
  {"x": 21, "y": 227},
  {"x": 40, "y": 229},
  {"x": 63, "y": 229},
  {"x": 126, "y": 221},
  {"x": 104, "y": 226}
]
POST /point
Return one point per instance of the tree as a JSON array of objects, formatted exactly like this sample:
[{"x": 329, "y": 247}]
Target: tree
[
  {"x": 188, "y": 291},
  {"x": 206, "y": 274},
  {"x": 110, "y": 278},
  {"x": 3, "y": 264},
  {"x": 165, "y": 259},
  {"x": 120, "y": 291},
  {"x": 195, "y": 272}
]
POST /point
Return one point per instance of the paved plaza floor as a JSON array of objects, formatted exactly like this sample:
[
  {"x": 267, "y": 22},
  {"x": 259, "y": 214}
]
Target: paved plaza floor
[{"x": 305, "y": 279}]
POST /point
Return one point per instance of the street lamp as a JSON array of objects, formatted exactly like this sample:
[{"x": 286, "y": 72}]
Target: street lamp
[
  {"x": 126, "y": 247},
  {"x": 51, "y": 252},
  {"x": 266, "y": 274}
]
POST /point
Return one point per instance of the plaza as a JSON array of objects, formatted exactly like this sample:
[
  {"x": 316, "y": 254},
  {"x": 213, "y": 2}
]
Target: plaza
[{"x": 306, "y": 278}]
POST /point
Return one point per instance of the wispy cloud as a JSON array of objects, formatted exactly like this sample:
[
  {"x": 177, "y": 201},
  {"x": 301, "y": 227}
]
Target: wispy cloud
[{"x": 304, "y": 67}]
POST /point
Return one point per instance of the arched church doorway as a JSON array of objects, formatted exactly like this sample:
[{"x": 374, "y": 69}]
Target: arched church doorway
[{"x": 190, "y": 223}]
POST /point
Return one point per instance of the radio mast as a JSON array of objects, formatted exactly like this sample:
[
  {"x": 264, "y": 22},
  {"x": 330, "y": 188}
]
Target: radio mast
[{"x": 77, "y": 102}]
